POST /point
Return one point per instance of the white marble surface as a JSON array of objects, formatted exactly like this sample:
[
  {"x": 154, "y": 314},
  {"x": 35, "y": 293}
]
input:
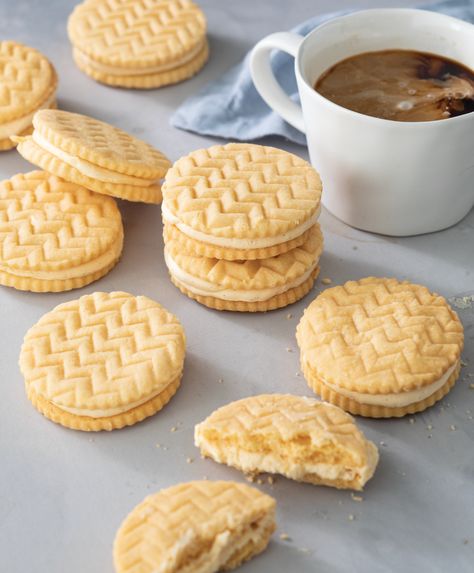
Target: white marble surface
[{"x": 64, "y": 493}]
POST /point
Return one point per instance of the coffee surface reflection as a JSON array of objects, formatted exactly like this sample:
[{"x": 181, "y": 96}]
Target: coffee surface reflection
[{"x": 400, "y": 85}]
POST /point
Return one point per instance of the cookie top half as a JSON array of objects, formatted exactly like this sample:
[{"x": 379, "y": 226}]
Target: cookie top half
[
  {"x": 27, "y": 80},
  {"x": 50, "y": 225},
  {"x": 238, "y": 195},
  {"x": 380, "y": 336},
  {"x": 103, "y": 353},
  {"x": 137, "y": 33}
]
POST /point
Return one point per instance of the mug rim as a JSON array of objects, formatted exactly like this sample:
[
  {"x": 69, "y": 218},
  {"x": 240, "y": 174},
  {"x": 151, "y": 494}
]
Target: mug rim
[{"x": 331, "y": 104}]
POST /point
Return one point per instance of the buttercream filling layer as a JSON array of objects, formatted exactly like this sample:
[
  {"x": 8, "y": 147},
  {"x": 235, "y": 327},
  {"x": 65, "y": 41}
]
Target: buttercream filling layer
[
  {"x": 125, "y": 71},
  {"x": 106, "y": 412},
  {"x": 257, "y": 243},
  {"x": 19, "y": 125},
  {"x": 204, "y": 288},
  {"x": 394, "y": 400},
  {"x": 89, "y": 169}
]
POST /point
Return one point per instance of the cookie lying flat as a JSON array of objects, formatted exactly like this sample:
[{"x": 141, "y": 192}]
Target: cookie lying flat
[
  {"x": 138, "y": 43},
  {"x": 246, "y": 286},
  {"x": 54, "y": 235},
  {"x": 240, "y": 201},
  {"x": 300, "y": 438},
  {"x": 104, "y": 361},
  {"x": 195, "y": 527},
  {"x": 28, "y": 83},
  {"x": 94, "y": 154},
  {"x": 380, "y": 347}
]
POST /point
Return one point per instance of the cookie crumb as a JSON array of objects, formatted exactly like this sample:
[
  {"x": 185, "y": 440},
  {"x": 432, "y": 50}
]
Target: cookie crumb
[
  {"x": 288, "y": 349},
  {"x": 158, "y": 446},
  {"x": 465, "y": 541},
  {"x": 289, "y": 316},
  {"x": 260, "y": 481},
  {"x": 271, "y": 480},
  {"x": 351, "y": 517},
  {"x": 189, "y": 460},
  {"x": 250, "y": 478},
  {"x": 174, "y": 429},
  {"x": 463, "y": 363},
  {"x": 429, "y": 427},
  {"x": 326, "y": 281},
  {"x": 285, "y": 537},
  {"x": 412, "y": 420},
  {"x": 298, "y": 374},
  {"x": 356, "y": 497},
  {"x": 382, "y": 443},
  {"x": 471, "y": 386},
  {"x": 303, "y": 549},
  {"x": 452, "y": 427}
]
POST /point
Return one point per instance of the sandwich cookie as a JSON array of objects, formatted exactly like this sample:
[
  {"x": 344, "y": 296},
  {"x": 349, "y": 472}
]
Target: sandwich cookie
[
  {"x": 55, "y": 235},
  {"x": 28, "y": 83},
  {"x": 246, "y": 286},
  {"x": 300, "y": 438},
  {"x": 138, "y": 43},
  {"x": 380, "y": 347},
  {"x": 195, "y": 527},
  {"x": 104, "y": 361},
  {"x": 240, "y": 202},
  {"x": 94, "y": 154}
]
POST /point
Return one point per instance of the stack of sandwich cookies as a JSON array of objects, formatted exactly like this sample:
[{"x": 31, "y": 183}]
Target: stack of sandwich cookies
[
  {"x": 104, "y": 361},
  {"x": 55, "y": 235},
  {"x": 195, "y": 527},
  {"x": 300, "y": 438},
  {"x": 94, "y": 154},
  {"x": 138, "y": 43},
  {"x": 380, "y": 347},
  {"x": 240, "y": 226},
  {"x": 28, "y": 83}
]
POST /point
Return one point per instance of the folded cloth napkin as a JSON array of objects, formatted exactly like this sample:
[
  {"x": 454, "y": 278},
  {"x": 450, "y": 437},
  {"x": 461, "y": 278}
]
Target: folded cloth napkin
[{"x": 231, "y": 107}]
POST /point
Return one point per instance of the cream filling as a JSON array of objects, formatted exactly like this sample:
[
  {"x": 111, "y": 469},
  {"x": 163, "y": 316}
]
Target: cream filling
[
  {"x": 204, "y": 288},
  {"x": 395, "y": 400},
  {"x": 258, "y": 243},
  {"x": 125, "y": 71},
  {"x": 19, "y": 125},
  {"x": 89, "y": 169}
]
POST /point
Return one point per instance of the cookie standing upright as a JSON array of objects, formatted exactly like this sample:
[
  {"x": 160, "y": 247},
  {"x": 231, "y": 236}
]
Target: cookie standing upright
[
  {"x": 138, "y": 43},
  {"x": 55, "y": 235},
  {"x": 199, "y": 526},
  {"x": 28, "y": 82},
  {"x": 103, "y": 361},
  {"x": 238, "y": 219},
  {"x": 380, "y": 347},
  {"x": 95, "y": 154}
]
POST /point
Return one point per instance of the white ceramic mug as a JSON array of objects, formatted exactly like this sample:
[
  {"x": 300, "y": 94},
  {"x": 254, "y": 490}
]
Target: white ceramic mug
[{"x": 390, "y": 177}]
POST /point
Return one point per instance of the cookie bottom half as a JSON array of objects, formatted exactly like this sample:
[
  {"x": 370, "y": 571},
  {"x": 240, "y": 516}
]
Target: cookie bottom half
[{"x": 89, "y": 424}]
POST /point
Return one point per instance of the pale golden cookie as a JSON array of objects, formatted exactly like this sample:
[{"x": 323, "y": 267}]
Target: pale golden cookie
[
  {"x": 257, "y": 285},
  {"x": 103, "y": 361},
  {"x": 300, "y": 438},
  {"x": 241, "y": 197},
  {"x": 138, "y": 43},
  {"x": 195, "y": 527},
  {"x": 55, "y": 235},
  {"x": 380, "y": 347},
  {"x": 28, "y": 83},
  {"x": 95, "y": 154}
]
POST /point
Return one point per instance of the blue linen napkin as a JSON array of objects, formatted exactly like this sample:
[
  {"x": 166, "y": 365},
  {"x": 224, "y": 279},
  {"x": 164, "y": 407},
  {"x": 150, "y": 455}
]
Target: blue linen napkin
[{"x": 231, "y": 107}]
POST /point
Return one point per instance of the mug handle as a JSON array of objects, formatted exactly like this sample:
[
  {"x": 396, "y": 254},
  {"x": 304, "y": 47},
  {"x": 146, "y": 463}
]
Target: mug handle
[{"x": 264, "y": 78}]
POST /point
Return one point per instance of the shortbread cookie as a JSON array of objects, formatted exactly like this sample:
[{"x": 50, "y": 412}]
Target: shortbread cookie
[
  {"x": 138, "y": 43},
  {"x": 247, "y": 286},
  {"x": 300, "y": 438},
  {"x": 195, "y": 527},
  {"x": 241, "y": 201},
  {"x": 104, "y": 361},
  {"x": 28, "y": 83},
  {"x": 55, "y": 235},
  {"x": 96, "y": 155},
  {"x": 380, "y": 347}
]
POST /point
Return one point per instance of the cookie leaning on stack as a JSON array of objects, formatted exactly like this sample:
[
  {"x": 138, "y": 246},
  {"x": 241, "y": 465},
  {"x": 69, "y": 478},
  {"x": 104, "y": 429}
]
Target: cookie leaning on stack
[
  {"x": 104, "y": 361},
  {"x": 240, "y": 226},
  {"x": 28, "y": 83},
  {"x": 94, "y": 154},
  {"x": 55, "y": 235},
  {"x": 380, "y": 347},
  {"x": 138, "y": 43}
]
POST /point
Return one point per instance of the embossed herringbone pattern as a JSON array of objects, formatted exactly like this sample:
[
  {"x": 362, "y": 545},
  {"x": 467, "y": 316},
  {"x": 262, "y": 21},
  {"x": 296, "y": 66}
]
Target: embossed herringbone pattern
[
  {"x": 100, "y": 143},
  {"x": 180, "y": 524},
  {"x": 102, "y": 351},
  {"x": 380, "y": 336},
  {"x": 48, "y": 225},
  {"x": 27, "y": 79},
  {"x": 242, "y": 191},
  {"x": 137, "y": 33}
]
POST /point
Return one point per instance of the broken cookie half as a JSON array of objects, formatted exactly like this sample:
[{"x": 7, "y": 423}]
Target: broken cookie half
[{"x": 300, "y": 438}]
